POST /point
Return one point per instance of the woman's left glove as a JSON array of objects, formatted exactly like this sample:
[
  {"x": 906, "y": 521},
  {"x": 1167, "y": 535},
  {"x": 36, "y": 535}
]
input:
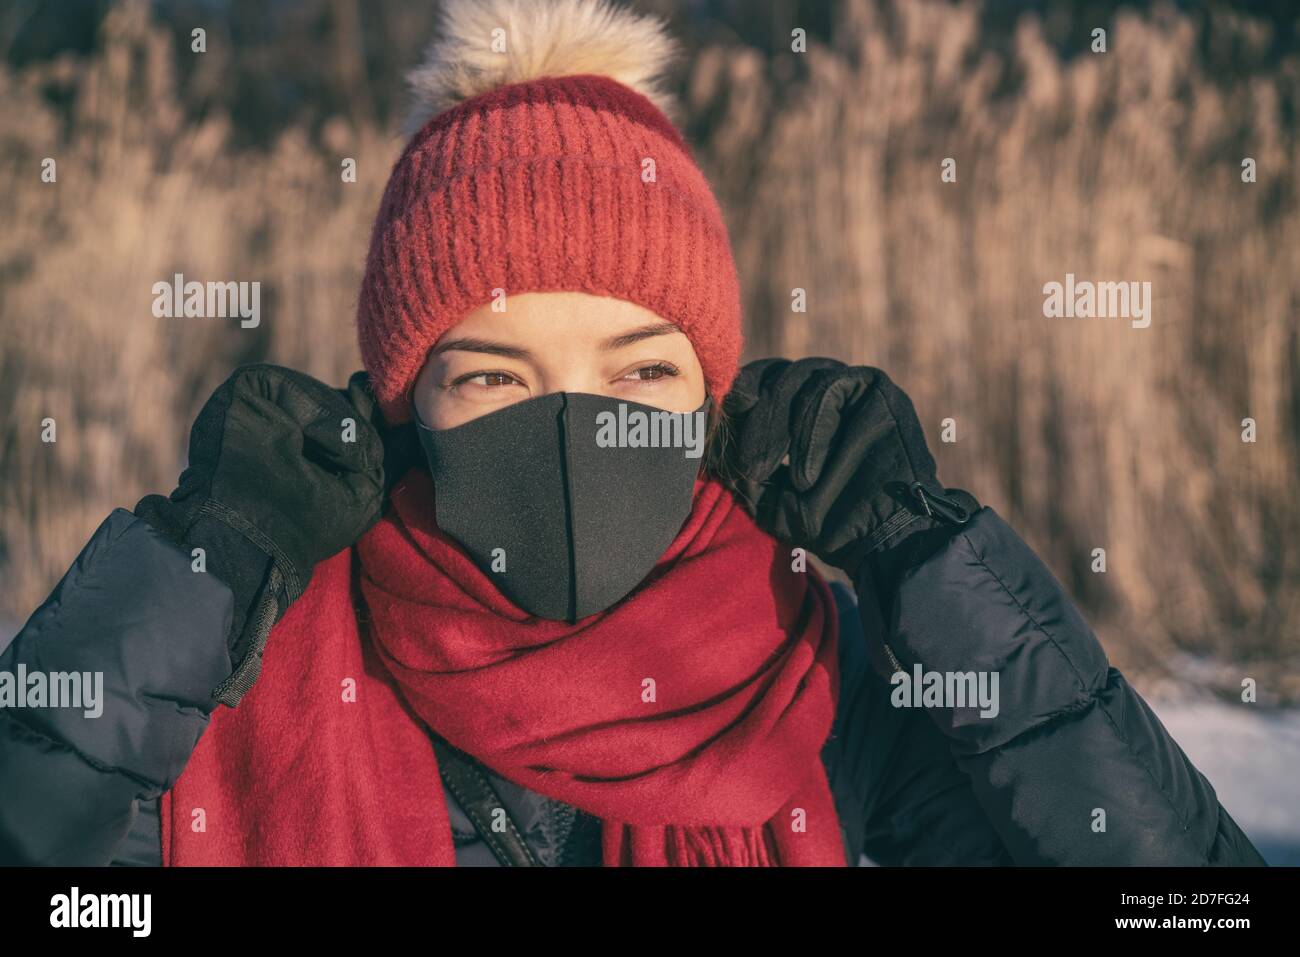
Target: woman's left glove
[{"x": 859, "y": 482}]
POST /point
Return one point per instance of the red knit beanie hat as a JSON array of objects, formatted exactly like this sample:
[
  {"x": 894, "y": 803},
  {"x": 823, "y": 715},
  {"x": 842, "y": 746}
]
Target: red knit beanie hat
[{"x": 546, "y": 165}]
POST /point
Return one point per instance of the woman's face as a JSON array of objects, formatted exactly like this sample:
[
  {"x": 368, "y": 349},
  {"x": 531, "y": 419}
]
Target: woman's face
[{"x": 556, "y": 342}]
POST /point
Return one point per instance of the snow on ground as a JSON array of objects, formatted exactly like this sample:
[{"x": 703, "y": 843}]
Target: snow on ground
[{"x": 1252, "y": 757}]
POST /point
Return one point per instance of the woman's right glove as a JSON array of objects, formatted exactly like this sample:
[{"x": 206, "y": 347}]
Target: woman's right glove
[{"x": 284, "y": 472}]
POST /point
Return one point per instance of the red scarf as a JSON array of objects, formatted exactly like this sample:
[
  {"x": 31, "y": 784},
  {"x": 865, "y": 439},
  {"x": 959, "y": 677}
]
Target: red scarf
[{"x": 690, "y": 717}]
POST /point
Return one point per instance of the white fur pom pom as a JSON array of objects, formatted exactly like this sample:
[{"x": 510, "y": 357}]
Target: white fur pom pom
[{"x": 484, "y": 44}]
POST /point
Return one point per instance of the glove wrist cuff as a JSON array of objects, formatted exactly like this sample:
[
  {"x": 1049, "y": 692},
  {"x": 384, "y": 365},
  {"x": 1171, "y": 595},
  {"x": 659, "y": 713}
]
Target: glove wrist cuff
[
  {"x": 253, "y": 639},
  {"x": 924, "y": 507},
  {"x": 286, "y": 568}
]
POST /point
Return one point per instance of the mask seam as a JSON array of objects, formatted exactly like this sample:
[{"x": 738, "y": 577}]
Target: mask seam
[{"x": 566, "y": 482}]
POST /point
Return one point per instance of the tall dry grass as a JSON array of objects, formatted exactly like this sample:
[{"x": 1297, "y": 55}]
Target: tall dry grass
[
  {"x": 1084, "y": 433},
  {"x": 142, "y": 195}
]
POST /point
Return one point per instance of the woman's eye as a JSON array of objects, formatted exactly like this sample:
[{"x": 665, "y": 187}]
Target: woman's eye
[
  {"x": 651, "y": 373},
  {"x": 485, "y": 380}
]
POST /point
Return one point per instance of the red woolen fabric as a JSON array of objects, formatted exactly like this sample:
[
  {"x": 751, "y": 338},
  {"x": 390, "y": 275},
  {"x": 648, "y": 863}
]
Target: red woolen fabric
[
  {"x": 545, "y": 186},
  {"x": 722, "y": 768}
]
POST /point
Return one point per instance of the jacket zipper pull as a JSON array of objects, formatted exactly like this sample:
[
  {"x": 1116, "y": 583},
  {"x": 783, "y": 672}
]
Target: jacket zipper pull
[{"x": 937, "y": 506}]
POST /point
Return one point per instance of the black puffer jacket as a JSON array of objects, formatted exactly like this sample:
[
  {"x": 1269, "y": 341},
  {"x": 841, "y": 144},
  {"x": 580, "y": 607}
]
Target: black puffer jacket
[{"x": 912, "y": 786}]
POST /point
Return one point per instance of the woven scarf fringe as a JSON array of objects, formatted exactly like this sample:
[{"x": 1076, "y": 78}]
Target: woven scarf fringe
[{"x": 717, "y": 847}]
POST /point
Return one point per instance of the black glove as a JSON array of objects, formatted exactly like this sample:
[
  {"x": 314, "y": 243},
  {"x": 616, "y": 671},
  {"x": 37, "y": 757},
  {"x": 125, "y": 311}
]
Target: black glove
[
  {"x": 402, "y": 448},
  {"x": 272, "y": 488},
  {"x": 859, "y": 490}
]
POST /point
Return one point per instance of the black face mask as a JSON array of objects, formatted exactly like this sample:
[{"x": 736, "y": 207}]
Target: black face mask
[{"x": 567, "y": 500}]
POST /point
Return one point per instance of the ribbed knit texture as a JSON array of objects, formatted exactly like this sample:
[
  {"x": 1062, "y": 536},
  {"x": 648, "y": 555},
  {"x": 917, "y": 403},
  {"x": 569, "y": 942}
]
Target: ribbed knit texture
[{"x": 536, "y": 187}]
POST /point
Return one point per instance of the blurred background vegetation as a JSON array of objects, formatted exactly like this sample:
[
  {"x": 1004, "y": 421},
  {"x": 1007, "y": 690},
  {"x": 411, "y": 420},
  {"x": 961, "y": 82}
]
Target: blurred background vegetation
[{"x": 1084, "y": 434}]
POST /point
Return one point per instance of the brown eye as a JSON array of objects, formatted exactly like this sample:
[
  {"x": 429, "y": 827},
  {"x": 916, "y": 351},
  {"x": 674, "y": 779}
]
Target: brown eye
[
  {"x": 484, "y": 380},
  {"x": 651, "y": 373}
]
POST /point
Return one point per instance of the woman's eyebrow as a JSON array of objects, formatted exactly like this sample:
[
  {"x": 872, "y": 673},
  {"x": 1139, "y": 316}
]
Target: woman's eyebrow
[
  {"x": 471, "y": 344},
  {"x": 636, "y": 335}
]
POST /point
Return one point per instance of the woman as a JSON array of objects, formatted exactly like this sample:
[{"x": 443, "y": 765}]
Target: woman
[{"x": 595, "y": 645}]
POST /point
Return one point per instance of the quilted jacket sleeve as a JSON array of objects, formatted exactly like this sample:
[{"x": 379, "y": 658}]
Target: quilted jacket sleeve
[
  {"x": 132, "y": 610},
  {"x": 1075, "y": 768},
  {"x": 901, "y": 798}
]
